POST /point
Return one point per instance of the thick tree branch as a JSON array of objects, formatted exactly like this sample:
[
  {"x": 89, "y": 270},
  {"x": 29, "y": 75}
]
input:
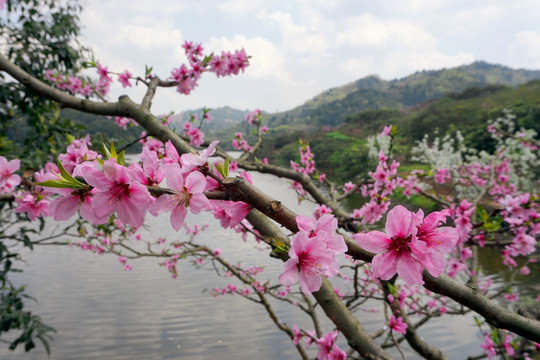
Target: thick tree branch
[
  {"x": 494, "y": 314},
  {"x": 330, "y": 302},
  {"x": 303, "y": 179}
]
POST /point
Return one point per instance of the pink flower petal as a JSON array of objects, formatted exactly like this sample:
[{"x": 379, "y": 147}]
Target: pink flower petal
[
  {"x": 374, "y": 241},
  {"x": 399, "y": 222}
]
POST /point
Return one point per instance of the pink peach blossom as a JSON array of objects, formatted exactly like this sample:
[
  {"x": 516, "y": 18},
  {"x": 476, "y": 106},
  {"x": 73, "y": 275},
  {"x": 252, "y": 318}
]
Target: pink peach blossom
[
  {"x": 398, "y": 250},
  {"x": 397, "y": 324},
  {"x": 188, "y": 193},
  {"x": 117, "y": 190},
  {"x": 9, "y": 180},
  {"x": 309, "y": 260}
]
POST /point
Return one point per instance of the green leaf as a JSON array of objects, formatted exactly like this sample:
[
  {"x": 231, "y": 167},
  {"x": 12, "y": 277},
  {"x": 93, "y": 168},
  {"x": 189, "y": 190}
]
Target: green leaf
[
  {"x": 147, "y": 70},
  {"x": 69, "y": 138},
  {"x": 482, "y": 213},
  {"x": 56, "y": 184},
  {"x": 111, "y": 154},
  {"x": 223, "y": 169},
  {"x": 113, "y": 150},
  {"x": 121, "y": 160},
  {"x": 76, "y": 184},
  {"x": 226, "y": 167},
  {"x": 392, "y": 288},
  {"x": 279, "y": 246},
  {"x": 491, "y": 226},
  {"x": 107, "y": 152}
]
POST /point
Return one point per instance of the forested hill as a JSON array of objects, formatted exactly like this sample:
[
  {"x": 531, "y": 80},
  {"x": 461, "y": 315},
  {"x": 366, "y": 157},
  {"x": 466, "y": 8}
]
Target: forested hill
[
  {"x": 221, "y": 118},
  {"x": 333, "y": 106},
  {"x": 341, "y": 153}
]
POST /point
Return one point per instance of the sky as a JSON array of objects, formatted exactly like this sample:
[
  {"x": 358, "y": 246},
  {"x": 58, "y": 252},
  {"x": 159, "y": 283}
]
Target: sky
[{"x": 300, "y": 48}]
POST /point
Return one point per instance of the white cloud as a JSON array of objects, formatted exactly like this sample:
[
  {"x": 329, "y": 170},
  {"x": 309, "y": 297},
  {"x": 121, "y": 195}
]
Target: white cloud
[
  {"x": 525, "y": 51},
  {"x": 370, "y": 31},
  {"x": 148, "y": 36},
  {"x": 238, "y": 7},
  {"x": 468, "y": 20},
  {"x": 298, "y": 38},
  {"x": 414, "y": 6},
  {"x": 132, "y": 40},
  {"x": 402, "y": 63},
  {"x": 357, "y": 67}
]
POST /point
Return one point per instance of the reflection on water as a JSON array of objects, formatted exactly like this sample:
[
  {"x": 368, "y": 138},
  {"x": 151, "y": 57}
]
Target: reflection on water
[{"x": 103, "y": 312}]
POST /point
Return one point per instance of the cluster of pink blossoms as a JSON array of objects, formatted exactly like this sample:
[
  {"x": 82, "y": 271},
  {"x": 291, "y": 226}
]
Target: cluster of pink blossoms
[
  {"x": 79, "y": 86},
  {"x": 306, "y": 159},
  {"x": 186, "y": 77},
  {"x": 73, "y": 84},
  {"x": 306, "y": 167},
  {"x": 8, "y": 179},
  {"x": 462, "y": 219},
  {"x": 222, "y": 65},
  {"x": 196, "y": 136},
  {"x": 410, "y": 244},
  {"x": 254, "y": 117},
  {"x": 384, "y": 183},
  {"x": 239, "y": 143},
  {"x": 442, "y": 175},
  {"x": 522, "y": 215},
  {"x": 328, "y": 349},
  {"x": 114, "y": 188},
  {"x": 313, "y": 253}
]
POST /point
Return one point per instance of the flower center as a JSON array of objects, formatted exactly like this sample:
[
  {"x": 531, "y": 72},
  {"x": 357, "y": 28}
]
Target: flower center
[
  {"x": 400, "y": 243},
  {"x": 183, "y": 197}
]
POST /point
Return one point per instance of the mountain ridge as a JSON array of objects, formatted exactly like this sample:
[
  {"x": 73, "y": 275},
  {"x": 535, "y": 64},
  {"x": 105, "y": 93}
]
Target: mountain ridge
[{"x": 332, "y": 106}]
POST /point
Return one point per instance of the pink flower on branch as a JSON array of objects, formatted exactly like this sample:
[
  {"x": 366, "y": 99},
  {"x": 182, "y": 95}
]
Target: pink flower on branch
[
  {"x": 489, "y": 346},
  {"x": 397, "y": 325},
  {"x": 191, "y": 161},
  {"x": 387, "y": 131},
  {"x": 398, "y": 250},
  {"x": 8, "y": 180},
  {"x": 124, "y": 77},
  {"x": 328, "y": 350},
  {"x": 439, "y": 240},
  {"x": 324, "y": 228},
  {"x": 309, "y": 260},
  {"x": 189, "y": 193},
  {"x": 409, "y": 245},
  {"x": 65, "y": 206},
  {"x": 33, "y": 204},
  {"x": 117, "y": 190},
  {"x": 230, "y": 213}
]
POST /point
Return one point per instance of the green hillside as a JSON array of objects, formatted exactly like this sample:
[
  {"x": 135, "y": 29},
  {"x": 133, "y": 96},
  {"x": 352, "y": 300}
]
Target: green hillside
[
  {"x": 341, "y": 153},
  {"x": 333, "y": 106},
  {"x": 221, "y": 118},
  {"x": 103, "y": 130}
]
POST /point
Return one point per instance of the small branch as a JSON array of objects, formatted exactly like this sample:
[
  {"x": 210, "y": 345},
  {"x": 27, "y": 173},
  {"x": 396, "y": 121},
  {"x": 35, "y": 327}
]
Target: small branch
[
  {"x": 435, "y": 198},
  {"x": 415, "y": 341},
  {"x": 150, "y": 93},
  {"x": 132, "y": 143}
]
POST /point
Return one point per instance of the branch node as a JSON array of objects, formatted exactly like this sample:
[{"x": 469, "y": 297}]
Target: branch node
[{"x": 275, "y": 206}]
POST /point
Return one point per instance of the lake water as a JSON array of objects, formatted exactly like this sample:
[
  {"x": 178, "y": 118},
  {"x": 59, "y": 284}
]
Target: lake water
[{"x": 101, "y": 311}]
